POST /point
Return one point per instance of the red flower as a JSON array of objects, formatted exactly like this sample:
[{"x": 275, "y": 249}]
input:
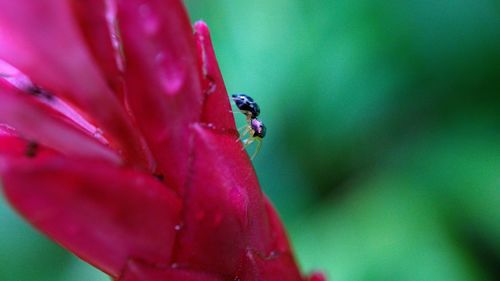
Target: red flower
[{"x": 117, "y": 141}]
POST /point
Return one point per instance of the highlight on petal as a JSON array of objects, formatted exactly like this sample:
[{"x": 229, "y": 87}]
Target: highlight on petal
[
  {"x": 224, "y": 210},
  {"x": 216, "y": 107},
  {"x": 40, "y": 124},
  {"x": 6, "y": 130},
  {"x": 12, "y": 75},
  {"x": 55, "y": 57},
  {"x": 137, "y": 271},
  {"x": 162, "y": 79},
  {"x": 24, "y": 84},
  {"x": 103, "y": 214}
]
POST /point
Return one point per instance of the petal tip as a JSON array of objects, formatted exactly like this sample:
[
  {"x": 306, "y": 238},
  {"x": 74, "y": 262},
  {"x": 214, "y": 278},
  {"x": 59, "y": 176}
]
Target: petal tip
[
  {"x": 317, "y": 276},
  {"x": 200, "y": 25}
]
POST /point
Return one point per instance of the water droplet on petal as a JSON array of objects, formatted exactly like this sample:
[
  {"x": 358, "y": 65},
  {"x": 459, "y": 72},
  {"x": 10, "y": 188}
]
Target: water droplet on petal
[
  {"x": 98, "y": 132},
  {"x": 273, "y": 254},
  {"x": 170, "y": 75},
  {"x": 150, "y": 22}
]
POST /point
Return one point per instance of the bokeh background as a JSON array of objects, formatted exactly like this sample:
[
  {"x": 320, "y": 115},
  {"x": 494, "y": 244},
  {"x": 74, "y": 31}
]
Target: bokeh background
[{"x": 383, "y": 146}]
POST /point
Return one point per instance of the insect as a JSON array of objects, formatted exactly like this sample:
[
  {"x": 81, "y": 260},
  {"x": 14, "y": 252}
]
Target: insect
[
  {"x": 254, "y": 127},
  {"x": 246, "y": 105}
]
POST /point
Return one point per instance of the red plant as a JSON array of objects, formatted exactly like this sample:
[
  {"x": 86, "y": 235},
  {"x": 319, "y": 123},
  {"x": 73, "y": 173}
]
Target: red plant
[{"x": 117, "y": 141}]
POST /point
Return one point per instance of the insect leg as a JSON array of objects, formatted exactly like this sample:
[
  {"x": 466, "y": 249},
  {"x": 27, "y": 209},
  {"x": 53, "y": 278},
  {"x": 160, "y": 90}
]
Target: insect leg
[
  {"x": 245, "y": 141},
  {"x": 257, "y": 149},
  {"x": 248, "y": 142},
  {"x": 242, "y": 127},
  {"x": 244, "y": 133}
]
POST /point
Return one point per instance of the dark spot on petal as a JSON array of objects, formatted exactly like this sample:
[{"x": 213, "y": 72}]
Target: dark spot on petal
[
  {"x": 31, "y": 149},
  {"x": 38, "y": 92},
  {"x": 159, "y": 177}
]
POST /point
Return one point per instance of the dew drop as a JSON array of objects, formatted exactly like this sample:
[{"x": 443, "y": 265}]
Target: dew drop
[
  {"x": 98, "y": 133},
  {"x": 160, "y": 58},
  {"x": 170, "y": 75},
  {"x": 212, "y": 86},
  {"x": 273, "y": 254},
  {"x": 150, "y": 22},
  {"x": 178, "y": 227}
]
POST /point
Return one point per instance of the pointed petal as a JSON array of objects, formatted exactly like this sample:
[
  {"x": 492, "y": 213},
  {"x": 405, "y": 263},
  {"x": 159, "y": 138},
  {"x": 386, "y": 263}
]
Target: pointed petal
[
  {"x": 162, "y": 79},
  {"x": 137, "y": 271},
  {"x": 103, "y": 214},
  {"x": 216, "y": 107},
  {"x": 42, "y": 39},
  {"x": 97, "y": 20},
  {"x": 258, "y": 268},
  {"x": 43, "y": 125},
  {"x": 22, "y": 82},
  {"x": 224, "y": 208}
]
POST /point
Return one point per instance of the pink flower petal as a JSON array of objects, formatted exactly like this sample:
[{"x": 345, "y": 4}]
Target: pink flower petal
[
  {"x": 97, "y": 20},
  {"x": 137, "y": 271},
  {"x": 259, "y": 268},
  {"x": 103, "y": 214},
  {"x": 224, "y": 207},
  {"x": 164, "y": 91},
  {"x": 216, "y": 108},
  {"x": 42, "y": 39},
  {"x": 43, "y": 125},
  {"x": 24, "y": 84}
]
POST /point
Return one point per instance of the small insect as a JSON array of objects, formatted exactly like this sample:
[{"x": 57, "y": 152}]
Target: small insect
[
  {"x": 246, "y": 105},
  {"x": 254, "y": 127}
]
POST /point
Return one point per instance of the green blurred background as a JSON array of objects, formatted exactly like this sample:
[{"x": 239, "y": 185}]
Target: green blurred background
[{"x": 383, "y": 146}]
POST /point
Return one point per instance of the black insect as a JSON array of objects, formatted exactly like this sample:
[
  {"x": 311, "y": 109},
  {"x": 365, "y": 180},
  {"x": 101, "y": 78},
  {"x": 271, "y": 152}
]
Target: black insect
[
  {"x": 254, "y": 127},
  {"x": 246, "y": 105}
]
